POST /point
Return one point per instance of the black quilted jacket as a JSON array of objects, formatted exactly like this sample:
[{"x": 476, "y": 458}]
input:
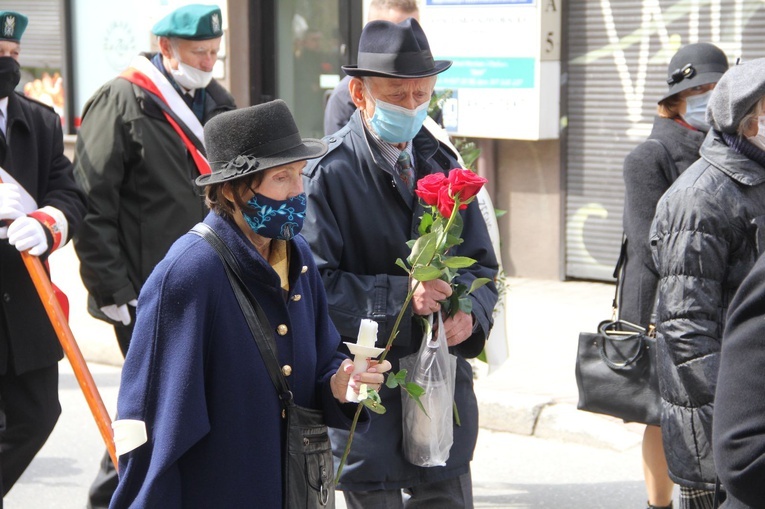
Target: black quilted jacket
[{"x": 704, "y": 240}]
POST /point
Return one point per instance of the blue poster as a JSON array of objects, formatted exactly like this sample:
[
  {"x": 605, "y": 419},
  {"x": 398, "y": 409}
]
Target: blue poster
[{"x": 491, "y": 72}]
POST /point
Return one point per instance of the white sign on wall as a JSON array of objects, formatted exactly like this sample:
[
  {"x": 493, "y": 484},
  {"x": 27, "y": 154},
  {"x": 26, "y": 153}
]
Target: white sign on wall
[{"x": 505, "y": 79}]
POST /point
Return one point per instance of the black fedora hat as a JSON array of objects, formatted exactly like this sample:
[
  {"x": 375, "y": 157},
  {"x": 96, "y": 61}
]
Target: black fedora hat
[
  {"x": 694, "y": 65},
  {"x": 392, "y": 50},
  {"x": 244, "y": 141}
]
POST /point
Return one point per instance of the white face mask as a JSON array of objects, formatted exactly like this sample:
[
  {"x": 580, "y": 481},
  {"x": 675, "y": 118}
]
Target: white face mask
[
  {"x": 190, "y": 77},
  {"x": 696, "y": 109},
  {"x": 758, "y": 140}
]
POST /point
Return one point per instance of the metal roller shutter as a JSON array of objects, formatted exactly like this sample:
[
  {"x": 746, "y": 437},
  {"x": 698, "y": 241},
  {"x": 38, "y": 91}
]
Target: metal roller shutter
[
  {"x": 42, "y": 42},
  {"x": 618, "y": 51}
]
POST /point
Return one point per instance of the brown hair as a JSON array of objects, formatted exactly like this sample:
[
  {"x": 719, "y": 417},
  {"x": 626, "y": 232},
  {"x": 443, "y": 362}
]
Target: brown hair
[
  {"x": 217, "y": 201},
  {"x": 668, "y": 107}
]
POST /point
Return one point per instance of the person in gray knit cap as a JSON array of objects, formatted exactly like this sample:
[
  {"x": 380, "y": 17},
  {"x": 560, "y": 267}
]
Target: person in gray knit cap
[{"x": 707, "y": 234}]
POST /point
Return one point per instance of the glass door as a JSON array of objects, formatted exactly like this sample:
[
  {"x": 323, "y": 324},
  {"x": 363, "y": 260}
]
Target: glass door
[{"x": 310, "y": 49}]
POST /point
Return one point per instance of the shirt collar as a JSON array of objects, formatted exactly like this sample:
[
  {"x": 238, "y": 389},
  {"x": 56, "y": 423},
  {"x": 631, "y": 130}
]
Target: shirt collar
[
  {"x": 389, "y": 151},
  {"x": 4, "y": 107}
]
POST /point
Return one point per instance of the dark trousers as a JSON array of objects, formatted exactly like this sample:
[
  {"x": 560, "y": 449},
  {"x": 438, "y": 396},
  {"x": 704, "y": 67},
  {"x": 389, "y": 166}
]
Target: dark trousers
[
  {"x": 29, "y": 409},
  {"x": 456, "y": 493},
  {"x": 106, "y": 480}
]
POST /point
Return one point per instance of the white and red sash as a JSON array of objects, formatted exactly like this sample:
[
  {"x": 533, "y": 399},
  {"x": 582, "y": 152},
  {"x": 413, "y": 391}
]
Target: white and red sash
[{"x": 145, "y": 75}]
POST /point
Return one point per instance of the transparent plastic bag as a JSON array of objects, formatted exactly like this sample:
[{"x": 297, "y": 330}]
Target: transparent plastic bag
[{"x": 429, "y": 437}]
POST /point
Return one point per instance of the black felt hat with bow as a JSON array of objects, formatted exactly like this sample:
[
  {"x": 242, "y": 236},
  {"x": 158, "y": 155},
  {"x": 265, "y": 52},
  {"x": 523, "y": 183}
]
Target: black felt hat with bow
[
  {"x": 392, "y": 50},
  {"x": 694, "y": 65},
  {"x": 244, "y": 141}
]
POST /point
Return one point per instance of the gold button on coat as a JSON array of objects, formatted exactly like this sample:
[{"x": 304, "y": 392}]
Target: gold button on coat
[
  {"x": 282, "y": 329},
  {"x": 286, "y": 370},
  {"x": 296, "y": 297}
]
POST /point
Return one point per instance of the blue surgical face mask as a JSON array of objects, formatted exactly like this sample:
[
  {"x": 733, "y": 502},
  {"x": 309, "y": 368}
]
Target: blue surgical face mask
[
  {"x": 696, "y": 110},
  {"x": 396, "y": 124},
  {"x": 276, "y": 219}
]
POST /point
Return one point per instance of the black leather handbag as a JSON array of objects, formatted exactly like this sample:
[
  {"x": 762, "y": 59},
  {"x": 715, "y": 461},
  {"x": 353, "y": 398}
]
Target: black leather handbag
[
  {"x": 308, "y": 471},
  {"x": 616, "y": 372},
  {"x": 616, "y": 368}
]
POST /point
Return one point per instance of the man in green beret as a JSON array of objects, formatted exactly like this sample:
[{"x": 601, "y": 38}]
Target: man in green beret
[
  {"x": 40, "y": 208},
  {"x": 139, "y": 149}
]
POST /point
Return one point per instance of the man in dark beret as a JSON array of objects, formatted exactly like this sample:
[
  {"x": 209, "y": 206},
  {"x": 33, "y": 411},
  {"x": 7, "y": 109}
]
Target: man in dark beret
[
  {"x": 40, "y": 209},
  {"x": 361, "y": 213},
  {"x": 139, "y": 149}
]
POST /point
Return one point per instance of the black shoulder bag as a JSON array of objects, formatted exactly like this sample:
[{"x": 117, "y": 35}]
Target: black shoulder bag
[
  {"x": 307, "y": 473},
  {"x": 616, "y": 371}
]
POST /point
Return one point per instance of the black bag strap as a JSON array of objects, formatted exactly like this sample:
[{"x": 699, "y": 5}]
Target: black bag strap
[{"x": 253, "y": 313}]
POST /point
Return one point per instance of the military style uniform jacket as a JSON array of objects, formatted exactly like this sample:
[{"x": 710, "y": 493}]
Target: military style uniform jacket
[
  {"x": 139, "y": 178},
  {"x": 34, "y": 156},
  {"x": 359, "y": 219}
]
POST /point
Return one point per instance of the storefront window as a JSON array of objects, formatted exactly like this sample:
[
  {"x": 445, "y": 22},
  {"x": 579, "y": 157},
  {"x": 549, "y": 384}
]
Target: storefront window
[{"x": 308, "y": 59}]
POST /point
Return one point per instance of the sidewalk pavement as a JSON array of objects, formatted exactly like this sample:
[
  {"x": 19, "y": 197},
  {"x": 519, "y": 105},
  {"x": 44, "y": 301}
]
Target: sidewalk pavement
[{"x": 533, "y": 393}]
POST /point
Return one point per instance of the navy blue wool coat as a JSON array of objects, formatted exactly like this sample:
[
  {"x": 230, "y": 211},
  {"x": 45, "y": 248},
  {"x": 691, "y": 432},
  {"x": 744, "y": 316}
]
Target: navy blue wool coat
[{"x": 194, "y": 374}]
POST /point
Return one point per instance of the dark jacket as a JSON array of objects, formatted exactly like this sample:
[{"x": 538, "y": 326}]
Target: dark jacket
[
  {"x": 704, "y": 240},
  {"x": 35, "y": 158},
  {"x": 358, "y": 222},
  {"x": 739, "y": 427},
  {"x": 339, "y": 108},
  {"x": 195, "y": 376},
  {"x": 139, "y": 178},
  {"x": 649, "y": 170}
]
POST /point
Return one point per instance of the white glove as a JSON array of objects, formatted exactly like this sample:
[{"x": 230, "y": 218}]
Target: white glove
[
  {"x": 119, "y": 313},
  {"x": 10, "y": 205},
  {"x": 27, "y": 233}
]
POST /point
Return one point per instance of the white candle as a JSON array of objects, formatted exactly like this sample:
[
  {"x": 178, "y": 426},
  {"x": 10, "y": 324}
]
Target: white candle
[
  {"x": 362, "y": 349},
  {"x": 367, "y": 333}
]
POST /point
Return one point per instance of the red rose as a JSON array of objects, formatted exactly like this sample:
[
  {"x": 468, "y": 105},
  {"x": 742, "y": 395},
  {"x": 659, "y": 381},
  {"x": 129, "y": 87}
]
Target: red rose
[
  {"x": 465, "y": 184},
  {"x": 428, "y": 187},
  {"x": 445, "y": 202}
]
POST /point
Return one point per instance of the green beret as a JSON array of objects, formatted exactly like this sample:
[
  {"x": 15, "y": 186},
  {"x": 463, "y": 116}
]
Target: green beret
[
  {"x": 12, "y": 25},
  {"x": 195, "y": 22}
]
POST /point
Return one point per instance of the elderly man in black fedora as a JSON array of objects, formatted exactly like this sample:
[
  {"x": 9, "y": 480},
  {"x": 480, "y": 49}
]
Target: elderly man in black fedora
[
  {"x": 194, "y": 375},
  {"x": 361, "y": 212}
]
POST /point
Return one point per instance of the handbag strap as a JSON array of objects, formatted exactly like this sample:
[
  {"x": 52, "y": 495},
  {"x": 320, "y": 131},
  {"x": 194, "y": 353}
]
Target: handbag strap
[{"x": 253, "y": 313}]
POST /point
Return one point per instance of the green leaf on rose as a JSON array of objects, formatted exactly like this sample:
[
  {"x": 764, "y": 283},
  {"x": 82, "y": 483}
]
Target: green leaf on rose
[
  {"x": 466, "y": 305},
  {"x": 396, "y": 379},
  {"x": 458, "y": 262},
  {"x": 425, "y": 273},
  {"x": 415, "y": 391},
  {"x": 423, "y": 250},
  {"x": 456, "y": 413},
  {"x": 425, "y": 223},
  {"x": 401, "y": 264},
  {"x": 478, "y": 283},
  {"x": 372, "y": 401}
]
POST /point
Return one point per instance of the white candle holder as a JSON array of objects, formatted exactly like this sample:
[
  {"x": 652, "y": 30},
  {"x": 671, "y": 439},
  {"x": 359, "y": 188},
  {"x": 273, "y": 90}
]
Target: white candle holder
[{"x": 362, "y": 350}]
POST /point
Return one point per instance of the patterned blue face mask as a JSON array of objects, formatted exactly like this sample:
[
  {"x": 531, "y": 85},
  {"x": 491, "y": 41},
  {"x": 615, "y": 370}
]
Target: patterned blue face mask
[{"x": 276, "y": 219}]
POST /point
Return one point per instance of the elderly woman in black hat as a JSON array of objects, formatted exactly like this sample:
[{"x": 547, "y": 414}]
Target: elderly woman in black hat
[
  {"x": 707, "y": 234},
  {"x": 194, "y": 375},
  {"x": 649, "y": 170}
]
